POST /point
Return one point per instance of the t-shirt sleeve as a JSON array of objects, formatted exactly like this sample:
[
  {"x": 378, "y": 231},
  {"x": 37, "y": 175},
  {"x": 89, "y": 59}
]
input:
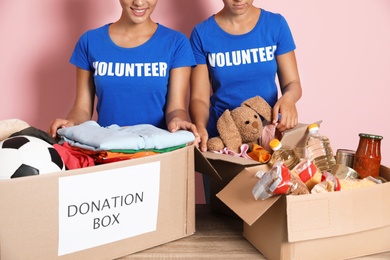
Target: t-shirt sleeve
[
  {"x": 285, "y": 38},
  {"x": 196, "y": 45},
  {"x": 79, "y": 56},
  {"x": 183, "y": 55}
]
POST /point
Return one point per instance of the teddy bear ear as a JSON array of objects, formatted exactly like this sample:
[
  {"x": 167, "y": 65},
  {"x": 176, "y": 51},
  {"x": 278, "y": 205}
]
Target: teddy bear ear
[
  {"x": 228, "y": 131},
  {"x": 261, "y": 106}
]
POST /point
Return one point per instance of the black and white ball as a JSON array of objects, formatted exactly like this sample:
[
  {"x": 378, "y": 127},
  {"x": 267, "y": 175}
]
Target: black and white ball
[{"x": 27, "y": 155}]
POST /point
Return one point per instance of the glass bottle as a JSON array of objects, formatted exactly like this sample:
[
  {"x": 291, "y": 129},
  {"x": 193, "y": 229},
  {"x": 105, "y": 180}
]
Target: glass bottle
[
  {"x": 368, "y": 155},
  {"x": 319, "y": 150},
  {"x": 283, "y": 153}
]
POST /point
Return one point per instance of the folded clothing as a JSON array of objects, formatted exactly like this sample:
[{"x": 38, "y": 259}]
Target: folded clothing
[{"x": 91, "y": 136}]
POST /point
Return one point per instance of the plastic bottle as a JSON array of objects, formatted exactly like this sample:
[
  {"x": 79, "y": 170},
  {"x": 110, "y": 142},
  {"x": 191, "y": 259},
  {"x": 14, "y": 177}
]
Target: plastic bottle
[
  {"x": 283, "y": 153},
  {"x": 319, "y": 150}
]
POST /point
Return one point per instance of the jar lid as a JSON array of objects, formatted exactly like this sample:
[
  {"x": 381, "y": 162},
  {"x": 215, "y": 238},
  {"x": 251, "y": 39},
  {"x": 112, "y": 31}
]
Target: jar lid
[
  {"x": 347, "y": 152},
  {"x": 371, "y": 136}
]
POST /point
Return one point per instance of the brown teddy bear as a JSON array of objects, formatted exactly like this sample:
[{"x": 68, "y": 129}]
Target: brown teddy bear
[{"x": 242, "y": 125}]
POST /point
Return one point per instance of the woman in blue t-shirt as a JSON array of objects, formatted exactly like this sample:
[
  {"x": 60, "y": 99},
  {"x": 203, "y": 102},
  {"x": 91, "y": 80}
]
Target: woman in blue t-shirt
[
  {"x": 139, "y": 71},
  {"x": 239, "y": 52}
]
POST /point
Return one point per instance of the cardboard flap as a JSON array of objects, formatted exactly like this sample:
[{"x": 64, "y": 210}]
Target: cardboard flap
[
  {"x": 203, "y": 166},
  {"x": 230, "y": 158},
  {"x": 237, "y": 195},
  {"x": 357, "y": 210},
  {"x": 205, "y": 162}
]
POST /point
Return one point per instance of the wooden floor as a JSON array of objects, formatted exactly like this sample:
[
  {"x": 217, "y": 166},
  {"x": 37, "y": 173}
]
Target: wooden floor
[{"x": 216, "y": 237}]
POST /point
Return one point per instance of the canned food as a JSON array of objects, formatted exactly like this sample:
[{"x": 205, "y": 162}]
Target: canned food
[
  {"x": 345, "y": 157},
  {"x": 342, "y": 171}
]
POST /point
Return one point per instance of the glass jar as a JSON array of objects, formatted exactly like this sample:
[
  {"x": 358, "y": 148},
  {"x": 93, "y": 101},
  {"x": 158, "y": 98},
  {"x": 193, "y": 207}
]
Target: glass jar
[{"x": 368, "y": 156}]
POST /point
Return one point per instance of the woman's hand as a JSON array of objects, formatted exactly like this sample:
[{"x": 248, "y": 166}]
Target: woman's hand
[
  {"x": 203, "y": 138},
  {"x": 177, "y": 124},
  {"x": 56, "y": 124},
  {"x": 288, "y": 114}
]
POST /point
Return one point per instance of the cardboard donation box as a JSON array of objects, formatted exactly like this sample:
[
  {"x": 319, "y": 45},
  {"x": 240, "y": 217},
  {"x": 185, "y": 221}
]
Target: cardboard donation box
[
  {"x": 100, "y": 212},
  {"x": 333, "y": 225},
  {"x": 336, "y": 225},
  {"x": 222, "y": 168}
]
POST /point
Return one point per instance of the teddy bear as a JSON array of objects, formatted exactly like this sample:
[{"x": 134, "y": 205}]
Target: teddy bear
[{"x": 242, "y": 125}]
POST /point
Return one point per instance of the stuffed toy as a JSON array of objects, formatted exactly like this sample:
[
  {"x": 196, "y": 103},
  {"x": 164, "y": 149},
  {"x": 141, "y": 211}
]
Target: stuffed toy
[
  {"x": 242, "y": 125},
  {"x": 10, "y": 126}
]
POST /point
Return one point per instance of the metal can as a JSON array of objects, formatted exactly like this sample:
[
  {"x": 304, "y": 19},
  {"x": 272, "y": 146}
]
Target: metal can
[
  {"x": 342, "y": 171},
  {"x": 345, "y": 157}
]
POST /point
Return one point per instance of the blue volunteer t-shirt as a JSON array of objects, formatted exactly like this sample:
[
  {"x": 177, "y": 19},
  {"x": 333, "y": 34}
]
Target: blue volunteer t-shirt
[
  {"x": 241, "y": 66},
  {"x": 132, "y": 83}
]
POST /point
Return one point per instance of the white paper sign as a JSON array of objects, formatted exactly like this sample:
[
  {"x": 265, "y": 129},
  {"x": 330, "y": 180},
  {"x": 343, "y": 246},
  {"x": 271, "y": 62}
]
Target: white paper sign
[{"x": 107, "y": 206}]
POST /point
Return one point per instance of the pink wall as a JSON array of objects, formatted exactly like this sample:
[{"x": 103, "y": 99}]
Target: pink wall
[{"x": 343, "y": 55}]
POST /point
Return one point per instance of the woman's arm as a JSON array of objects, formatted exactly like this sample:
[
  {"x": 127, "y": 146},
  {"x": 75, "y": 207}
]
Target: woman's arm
[
  {"x": 83, "y": 106},
  {"x": 291, "y": 89},
  {"x": 176, "y": 114},
  {"x": 200, "y": 102}
]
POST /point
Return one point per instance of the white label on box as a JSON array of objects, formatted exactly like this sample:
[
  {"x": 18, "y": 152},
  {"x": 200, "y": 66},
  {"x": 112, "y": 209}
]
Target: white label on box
[{"x": 107, "y": 206}]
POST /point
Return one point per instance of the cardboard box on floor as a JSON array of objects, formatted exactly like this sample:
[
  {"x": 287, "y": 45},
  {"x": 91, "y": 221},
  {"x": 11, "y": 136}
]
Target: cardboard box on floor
[
  {"x": 99, "y": 212},
  {"x": 222, "y": 168},
  {"x": 337, "y": 225}
]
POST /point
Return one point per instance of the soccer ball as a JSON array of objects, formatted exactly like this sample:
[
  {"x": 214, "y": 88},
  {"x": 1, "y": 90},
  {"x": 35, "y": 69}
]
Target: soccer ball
[{"x": 27, "y": 155}]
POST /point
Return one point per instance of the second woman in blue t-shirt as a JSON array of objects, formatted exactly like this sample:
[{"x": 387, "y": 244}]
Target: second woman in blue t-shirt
[{"x": 239, "y": 51}]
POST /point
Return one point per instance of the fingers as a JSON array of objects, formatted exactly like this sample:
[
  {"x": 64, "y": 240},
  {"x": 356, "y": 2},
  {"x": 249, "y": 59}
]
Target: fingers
[
  {"x": 275, "y": 115},
  {"x": 56, "y": 124},
  {"x": 285, "y": 115},
  {"x": 52, "y": 131},
  {"x": 203, "y": 145},
  {"x": 287, "y": 121},
  {"x": 185, "y": 125},
  {"x": 201, "y": 135}
]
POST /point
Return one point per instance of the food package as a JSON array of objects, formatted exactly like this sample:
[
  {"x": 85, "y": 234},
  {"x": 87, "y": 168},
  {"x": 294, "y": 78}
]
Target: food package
[
  {"x": 330, "y": 183},
  {"x": 308, "y": 173},
  {"x": 278, "y": 180}
]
